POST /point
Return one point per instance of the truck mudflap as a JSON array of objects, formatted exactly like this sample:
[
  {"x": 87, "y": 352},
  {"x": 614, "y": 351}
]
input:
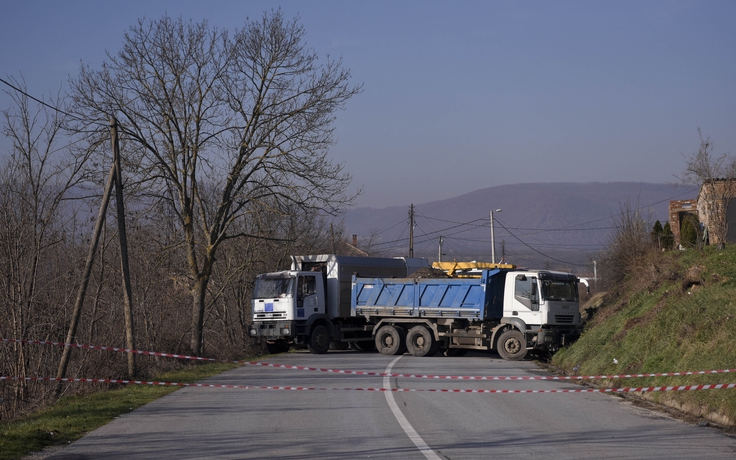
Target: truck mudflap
[{"x": 273, "y": 329}]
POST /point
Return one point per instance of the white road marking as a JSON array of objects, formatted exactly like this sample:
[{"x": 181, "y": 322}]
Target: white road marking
[{"x": 408, "y": 429}]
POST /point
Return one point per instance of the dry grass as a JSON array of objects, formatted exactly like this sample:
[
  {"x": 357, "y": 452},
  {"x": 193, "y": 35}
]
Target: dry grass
[{"x": 674, "y": 313}]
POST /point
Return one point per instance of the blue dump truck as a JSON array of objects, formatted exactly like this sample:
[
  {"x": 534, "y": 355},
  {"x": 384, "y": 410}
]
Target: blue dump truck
[
  {"x": 507, "y": 310},
  {"x": 329, "y": 299}
]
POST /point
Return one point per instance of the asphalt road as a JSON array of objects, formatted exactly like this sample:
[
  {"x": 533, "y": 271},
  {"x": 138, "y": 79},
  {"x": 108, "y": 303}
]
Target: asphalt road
[{"x": 340, "y": 424}]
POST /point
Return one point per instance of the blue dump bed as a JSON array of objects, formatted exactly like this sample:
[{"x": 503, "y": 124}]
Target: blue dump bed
[{"x": 472, "y": 298}]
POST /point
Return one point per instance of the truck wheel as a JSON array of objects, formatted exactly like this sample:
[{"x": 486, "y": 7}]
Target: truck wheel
[
  {"x": 277, "y": 347},
  {"x": 390, "y": 340},
  {"x": 512, "y": 345},
  {"x": 421, "y": 342},
  {"x": 319, "y": 340}
]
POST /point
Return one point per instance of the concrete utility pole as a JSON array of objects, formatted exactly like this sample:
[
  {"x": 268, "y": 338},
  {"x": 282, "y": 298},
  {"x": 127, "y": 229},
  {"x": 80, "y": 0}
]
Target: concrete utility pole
[{"x": 493, "y": 238}]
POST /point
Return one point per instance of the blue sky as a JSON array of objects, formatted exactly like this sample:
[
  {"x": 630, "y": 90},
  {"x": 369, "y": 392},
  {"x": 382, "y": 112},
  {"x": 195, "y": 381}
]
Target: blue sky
[{"x": 463, "y": 95}]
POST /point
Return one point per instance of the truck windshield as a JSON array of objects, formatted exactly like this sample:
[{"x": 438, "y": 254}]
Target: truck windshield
[
  {"x": 559, "y": 290},
  {"x": 271, "y": 288}
]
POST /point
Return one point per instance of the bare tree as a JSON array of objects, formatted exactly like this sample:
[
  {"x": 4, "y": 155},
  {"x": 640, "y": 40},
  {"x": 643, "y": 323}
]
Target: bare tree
[
  {"x": 217, "y": 125},
  {"x": 628, "y": 244},
  {"x": 716, "y": 177},
  {"x": 36, "y": 177}
]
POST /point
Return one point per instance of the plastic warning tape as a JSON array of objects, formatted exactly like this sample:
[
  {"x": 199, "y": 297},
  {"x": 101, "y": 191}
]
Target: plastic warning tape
[
  {"x": 720, "y": 386},
  {"x": 375, "y": 374},
  {"x": 490, "y": 377},
  {"x": 97, "y": 347}
]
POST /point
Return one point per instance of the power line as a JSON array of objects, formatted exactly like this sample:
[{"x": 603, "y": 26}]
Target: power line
[
  {"x": 391, "y": 227},
  {"x": 435, "y": 232},
  {"x": 533, "y": 249},
  {"x": 45, "y": 104},
  {"x": 485, "y": 241},
  {"x": 453, "y": 222}
]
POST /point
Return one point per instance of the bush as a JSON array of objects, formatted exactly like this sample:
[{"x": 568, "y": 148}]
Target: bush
[{"x": 627, "y": 247}]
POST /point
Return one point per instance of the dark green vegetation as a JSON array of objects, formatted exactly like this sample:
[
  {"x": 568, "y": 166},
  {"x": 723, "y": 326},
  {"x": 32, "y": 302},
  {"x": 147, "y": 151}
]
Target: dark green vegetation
[
  {"x": 674, "y": 312},
  {"x": 74, "y": 416}
]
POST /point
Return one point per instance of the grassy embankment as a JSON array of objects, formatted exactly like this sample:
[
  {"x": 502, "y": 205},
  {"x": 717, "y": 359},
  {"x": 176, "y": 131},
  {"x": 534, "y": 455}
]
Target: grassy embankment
[
  {"x": 675, "y": 313},
  {"x": 74, "y": 416}
]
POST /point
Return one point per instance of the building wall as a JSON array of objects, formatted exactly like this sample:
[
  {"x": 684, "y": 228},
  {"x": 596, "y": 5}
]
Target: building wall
[
  {"x": 714, "y": 204},
  {"x": 677, "y": 210}
]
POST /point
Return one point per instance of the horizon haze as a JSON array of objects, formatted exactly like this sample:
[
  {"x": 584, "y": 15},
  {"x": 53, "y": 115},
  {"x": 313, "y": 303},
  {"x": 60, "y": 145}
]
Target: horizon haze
[{"x": 557, "y": 225}]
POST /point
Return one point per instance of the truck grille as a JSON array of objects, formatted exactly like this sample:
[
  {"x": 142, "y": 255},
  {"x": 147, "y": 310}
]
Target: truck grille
[
  {"x": 269, "y": 315},
  {"x": 564, "y": 319}
]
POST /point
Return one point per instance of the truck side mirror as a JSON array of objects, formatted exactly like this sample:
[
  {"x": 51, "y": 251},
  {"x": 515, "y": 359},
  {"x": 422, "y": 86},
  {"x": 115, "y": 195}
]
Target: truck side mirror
[{"x": 587, "y": 285}]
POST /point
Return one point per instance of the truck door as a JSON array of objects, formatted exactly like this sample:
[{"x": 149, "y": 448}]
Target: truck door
[
  {"x": 526, "y": 300},
  {"x": 307, "y": 298}
]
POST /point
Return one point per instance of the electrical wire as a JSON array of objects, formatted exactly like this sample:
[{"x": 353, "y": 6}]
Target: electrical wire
[
  {"x": 533, "y": 249},
  {"x": 56, "y": 109},
  {"x": 391, "y": 227}
]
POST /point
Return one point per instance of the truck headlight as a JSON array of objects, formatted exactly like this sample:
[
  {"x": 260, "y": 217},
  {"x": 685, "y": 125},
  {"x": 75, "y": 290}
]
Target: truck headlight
[{"x": 253, "y": 331}]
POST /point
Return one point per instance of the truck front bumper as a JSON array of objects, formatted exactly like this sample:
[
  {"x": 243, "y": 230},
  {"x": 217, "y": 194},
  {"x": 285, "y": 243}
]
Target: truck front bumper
[
  {"x": 272, "y": 329},
  {"x": 554, "y": 339}
]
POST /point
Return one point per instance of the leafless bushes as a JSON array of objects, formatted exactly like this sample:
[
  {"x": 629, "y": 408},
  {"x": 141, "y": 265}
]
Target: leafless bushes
[
  {"x": 226, "y": 171},
  {"x": 35, "y": 241},
  {"x": 161, "y": 294},
  {"x": 628, "y": 245}
]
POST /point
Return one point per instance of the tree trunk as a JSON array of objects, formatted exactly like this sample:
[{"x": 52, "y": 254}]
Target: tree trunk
[{"x": 199, "y": 291}]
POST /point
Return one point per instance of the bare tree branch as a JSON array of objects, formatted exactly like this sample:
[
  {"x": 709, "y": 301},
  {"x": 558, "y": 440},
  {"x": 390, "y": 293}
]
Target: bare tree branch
[{"x": 219, "y": 125}]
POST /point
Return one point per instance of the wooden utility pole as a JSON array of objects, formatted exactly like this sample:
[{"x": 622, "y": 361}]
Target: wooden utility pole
[
  {"x": 114, "y": 179},
  {"x": 82, "y": 291},
  {"x": 127, "y": 291},
  {"x": 411, "y": 231}
]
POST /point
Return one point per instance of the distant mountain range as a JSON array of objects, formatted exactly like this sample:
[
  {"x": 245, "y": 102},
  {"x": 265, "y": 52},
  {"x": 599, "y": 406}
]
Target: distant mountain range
[{"x": 555, "y": 225}]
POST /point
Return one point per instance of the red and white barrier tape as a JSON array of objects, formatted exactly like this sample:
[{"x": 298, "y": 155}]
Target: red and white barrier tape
[
  {"x": 97, "y": 347},
  {"x": 720, "y": 386},
  {"x": 489, "y": 377},
  {"x": 375, "y": 374}
]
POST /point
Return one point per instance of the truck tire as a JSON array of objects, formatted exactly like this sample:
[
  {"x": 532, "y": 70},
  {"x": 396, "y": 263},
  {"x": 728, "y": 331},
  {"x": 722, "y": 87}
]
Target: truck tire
[
  {"x": 421, "y": 342},
  {"x": 319, "y": 340},
  {"x": 511, "y": 345},
  {"x": 390, "y": 340}
]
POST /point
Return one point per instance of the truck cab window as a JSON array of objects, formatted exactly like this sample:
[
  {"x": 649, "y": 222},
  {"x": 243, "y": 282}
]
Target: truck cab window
[
  {"x": 310, "y": 285},
  {"x": 307, "y": 285},
  {"x": 300, "y": 292},
  {"x": 271, "y": 288},
  {"x": 560, "y": 290},
  {"x": 526, "y": 292}
]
